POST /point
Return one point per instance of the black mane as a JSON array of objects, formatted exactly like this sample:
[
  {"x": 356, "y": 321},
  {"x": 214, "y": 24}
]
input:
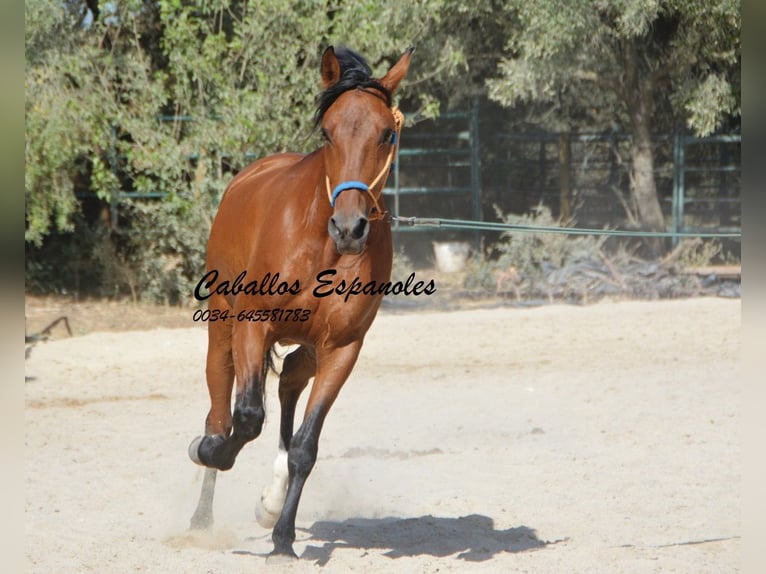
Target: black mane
[{"x": 354, "y": 73}]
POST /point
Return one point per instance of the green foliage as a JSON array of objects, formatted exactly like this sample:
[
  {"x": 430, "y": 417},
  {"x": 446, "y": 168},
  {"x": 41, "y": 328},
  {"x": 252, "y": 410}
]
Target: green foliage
[
  {"x": 570, "y": 55},
  {"x": 169, "y": 97},
  {"x": 618, "y": 65},
  {"x": 172, "y": 97},
  {"x": 524, "y": 257},
  {"x": 708, "y": 102},
  {"x": 402, "y": 266},
  {"x": 175, "y": 233},
  {"x": 701, "y": 253}
]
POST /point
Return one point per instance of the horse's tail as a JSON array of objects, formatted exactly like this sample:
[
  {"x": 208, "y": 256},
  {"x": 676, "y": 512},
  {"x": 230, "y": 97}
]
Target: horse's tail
[
  {"x": 269, "y": 361},
  {"x": 269, "y": 364}
]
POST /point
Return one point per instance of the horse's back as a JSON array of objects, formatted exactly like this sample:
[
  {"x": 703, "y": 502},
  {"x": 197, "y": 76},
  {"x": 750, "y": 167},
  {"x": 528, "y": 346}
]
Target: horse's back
[{"x": 248, "y": 180}]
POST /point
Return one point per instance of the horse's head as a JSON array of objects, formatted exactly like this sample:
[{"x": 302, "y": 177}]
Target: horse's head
[{"x": 359, "y": 129}]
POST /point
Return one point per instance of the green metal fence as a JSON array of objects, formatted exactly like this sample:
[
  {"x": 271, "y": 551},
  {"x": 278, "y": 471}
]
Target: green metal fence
[
  {"x": 698, "y": 179},
  {"x": 442, "y": 171},
  {"x": 724, "y": 173},
  {"x": 456, "y": 156}
]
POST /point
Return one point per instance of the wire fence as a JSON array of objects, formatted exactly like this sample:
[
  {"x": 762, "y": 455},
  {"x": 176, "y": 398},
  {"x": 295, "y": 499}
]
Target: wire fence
[
  {"x": 510, "y": 227},
  {"x": 457, "y": 172}
]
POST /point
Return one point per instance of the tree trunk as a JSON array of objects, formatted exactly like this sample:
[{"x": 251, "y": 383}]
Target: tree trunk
[
  {"x": 639, "y": 99},
  {"x": 642, "y": 180}
]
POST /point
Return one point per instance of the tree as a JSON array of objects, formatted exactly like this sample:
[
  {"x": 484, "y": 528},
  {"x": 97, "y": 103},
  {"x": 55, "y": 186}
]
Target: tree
[
  {"x": 459, "y": 50},
  {"x": 621, "y": 63},
  {"x": 167, "y": 97},
  {"x": 170, "y": 96}
]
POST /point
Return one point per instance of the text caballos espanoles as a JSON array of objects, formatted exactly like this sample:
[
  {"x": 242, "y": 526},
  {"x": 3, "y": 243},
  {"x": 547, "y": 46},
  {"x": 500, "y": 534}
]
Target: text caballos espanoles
[{"x": 327, "y": 284}]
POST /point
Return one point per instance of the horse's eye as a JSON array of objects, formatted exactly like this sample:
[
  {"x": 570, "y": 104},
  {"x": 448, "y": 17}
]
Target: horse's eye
[
  {"x": 387, "y": 137},
  {"x": 325, "y": 135}
]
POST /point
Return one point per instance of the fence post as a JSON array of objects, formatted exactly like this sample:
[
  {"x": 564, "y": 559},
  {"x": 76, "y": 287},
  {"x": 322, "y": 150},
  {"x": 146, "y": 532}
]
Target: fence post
[
  {"x": 475, "y": 168},
  {"x": 677, "y": 224},
  {"x": 114, "y": 198},
  {"x": 396, "y": 183},
  {"x": 565, "y": 185}
]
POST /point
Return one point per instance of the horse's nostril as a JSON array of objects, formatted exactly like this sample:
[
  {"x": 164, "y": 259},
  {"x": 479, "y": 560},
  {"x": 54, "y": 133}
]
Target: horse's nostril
[
  {"x": 336, "y": 229},
  {"x": 359, "y": 228}
]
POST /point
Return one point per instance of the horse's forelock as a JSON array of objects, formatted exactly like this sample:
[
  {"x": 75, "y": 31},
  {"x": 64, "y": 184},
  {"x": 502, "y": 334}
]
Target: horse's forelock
[{"x": 354, "y": 73}]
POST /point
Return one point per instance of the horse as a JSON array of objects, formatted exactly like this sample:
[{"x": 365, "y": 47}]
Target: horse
[{"x": 292, "y": 233}]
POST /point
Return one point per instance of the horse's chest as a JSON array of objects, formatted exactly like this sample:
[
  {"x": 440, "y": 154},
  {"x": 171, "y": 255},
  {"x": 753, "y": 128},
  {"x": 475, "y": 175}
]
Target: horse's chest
[
  {"x": 342, "y": 303},
  {"x": 329, "y": 305}
]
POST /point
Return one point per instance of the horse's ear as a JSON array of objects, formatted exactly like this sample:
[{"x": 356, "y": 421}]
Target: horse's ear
[
  {"x": 330, "y": 68},
  {"x": 397, "y": 72}
]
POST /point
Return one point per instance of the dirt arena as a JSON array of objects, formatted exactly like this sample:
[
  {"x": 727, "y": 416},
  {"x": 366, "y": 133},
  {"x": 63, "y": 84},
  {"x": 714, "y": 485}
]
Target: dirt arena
[{"x": 556, "y": 439}]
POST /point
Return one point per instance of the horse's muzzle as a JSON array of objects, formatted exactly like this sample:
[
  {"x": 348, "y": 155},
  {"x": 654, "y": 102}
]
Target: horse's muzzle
[{"x": 349, "y": 233}]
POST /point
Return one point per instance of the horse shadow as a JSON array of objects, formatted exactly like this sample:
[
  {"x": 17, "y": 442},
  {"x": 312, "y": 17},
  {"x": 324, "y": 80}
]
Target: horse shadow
[{"x": 473, "y": 536}]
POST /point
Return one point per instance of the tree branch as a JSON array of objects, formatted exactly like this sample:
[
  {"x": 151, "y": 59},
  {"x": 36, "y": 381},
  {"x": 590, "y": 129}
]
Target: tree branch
[
  {"x": 598, "y": 79},
  {"x": 662, "y": 73}
]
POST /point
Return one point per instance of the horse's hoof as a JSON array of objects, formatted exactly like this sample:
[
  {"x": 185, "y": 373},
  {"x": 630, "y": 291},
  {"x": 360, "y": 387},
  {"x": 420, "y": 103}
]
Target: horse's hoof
[
  {"x": 201, "y": 522},
  {"x": 194, "y": 450},
  {"x": 202, "y": 451},
  {"x": 281, "y": 558}
]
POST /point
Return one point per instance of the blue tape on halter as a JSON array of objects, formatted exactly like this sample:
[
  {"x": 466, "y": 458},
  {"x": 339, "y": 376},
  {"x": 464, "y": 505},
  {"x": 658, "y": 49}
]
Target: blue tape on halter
[{"x": 344, "y": 186}]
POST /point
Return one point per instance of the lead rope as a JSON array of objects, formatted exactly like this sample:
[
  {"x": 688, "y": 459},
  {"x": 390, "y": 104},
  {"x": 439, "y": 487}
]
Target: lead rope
[{"x": 378, "y": 213}]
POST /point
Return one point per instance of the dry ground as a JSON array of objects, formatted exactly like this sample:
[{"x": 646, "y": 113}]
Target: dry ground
[{"x": 557, "y": 439}]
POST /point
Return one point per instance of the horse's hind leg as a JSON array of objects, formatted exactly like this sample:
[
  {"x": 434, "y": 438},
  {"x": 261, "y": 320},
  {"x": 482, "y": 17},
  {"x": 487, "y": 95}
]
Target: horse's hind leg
[
  {"x": 220, "y": 378},
  {"x": 298, "y": 367}
]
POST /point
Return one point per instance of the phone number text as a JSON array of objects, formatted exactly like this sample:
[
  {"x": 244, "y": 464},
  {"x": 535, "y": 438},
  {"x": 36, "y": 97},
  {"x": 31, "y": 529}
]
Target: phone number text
[{"x": 295, "y": 315}]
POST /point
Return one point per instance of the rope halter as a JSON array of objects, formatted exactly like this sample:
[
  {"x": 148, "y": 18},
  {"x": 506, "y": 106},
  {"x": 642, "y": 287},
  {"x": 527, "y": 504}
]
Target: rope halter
[{"x": 377, "y": 212}]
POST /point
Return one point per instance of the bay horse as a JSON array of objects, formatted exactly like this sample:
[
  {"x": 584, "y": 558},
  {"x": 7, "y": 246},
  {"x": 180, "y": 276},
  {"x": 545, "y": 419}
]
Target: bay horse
[{"x": 283, "y": 221}]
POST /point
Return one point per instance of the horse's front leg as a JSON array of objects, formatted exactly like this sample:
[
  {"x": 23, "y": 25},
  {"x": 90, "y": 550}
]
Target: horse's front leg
[
  {"x": 248, "y": 353},
  {"x": 333, "y": 368},
  {"x": 219, "y": 372}
]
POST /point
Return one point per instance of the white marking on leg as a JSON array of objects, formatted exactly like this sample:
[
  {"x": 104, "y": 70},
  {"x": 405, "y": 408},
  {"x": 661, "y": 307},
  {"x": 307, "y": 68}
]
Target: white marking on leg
[{"x": 272, "y": 500}]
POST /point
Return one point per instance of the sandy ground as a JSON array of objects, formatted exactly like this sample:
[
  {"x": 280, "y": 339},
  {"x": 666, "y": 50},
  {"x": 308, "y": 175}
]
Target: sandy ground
[{"x": 557, "y": 439}]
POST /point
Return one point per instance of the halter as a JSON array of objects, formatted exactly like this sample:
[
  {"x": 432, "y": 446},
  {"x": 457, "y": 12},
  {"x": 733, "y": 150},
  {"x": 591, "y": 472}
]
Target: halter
[{"x": 332, "y": 194}]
